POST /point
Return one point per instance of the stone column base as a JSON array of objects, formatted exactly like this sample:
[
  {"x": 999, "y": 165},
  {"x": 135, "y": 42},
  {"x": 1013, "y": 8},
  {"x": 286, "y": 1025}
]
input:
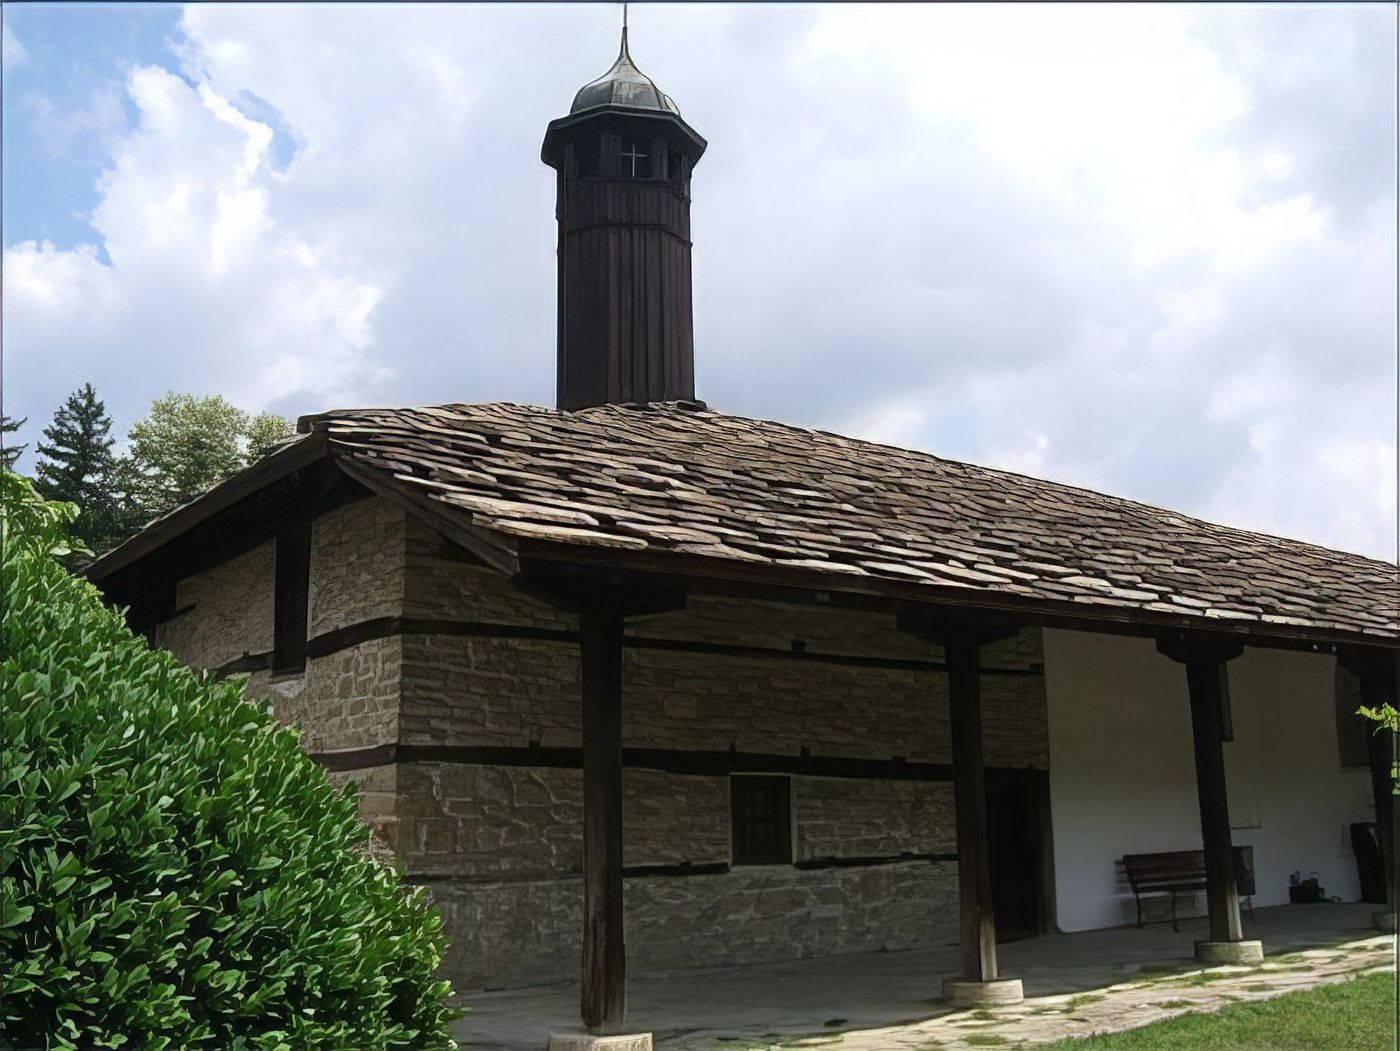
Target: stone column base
[
  {"x": 1383, "y": 921},
  {"x": 1241, "y": 952},
  {"x": 581, "y": 1041},
  {"x": 983, "y": 994}
]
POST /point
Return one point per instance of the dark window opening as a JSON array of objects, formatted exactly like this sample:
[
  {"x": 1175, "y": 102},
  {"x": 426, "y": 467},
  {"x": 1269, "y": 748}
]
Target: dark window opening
[
  {"x": 292, "y": 586},
  {"x": 761, "y": 819},
  {"x": 587, "y": 154},
  {"x": 636, "y": 163},
  {"x": 673, "y": 166}
]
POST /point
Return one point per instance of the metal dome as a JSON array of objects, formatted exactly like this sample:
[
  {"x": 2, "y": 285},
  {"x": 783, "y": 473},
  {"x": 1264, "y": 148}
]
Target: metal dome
[{"x": 624, "y": 85}]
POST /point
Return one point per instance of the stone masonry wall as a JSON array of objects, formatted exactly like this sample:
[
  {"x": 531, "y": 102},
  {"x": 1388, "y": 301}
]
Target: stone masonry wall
[
  {"x": 347, "y": 699},
  {"x": 357, "y": 564},
  {"x": 844, "y": 817},
  {"x": 515, "y": 692},
  {"x": 527, "y": 932},
  {"x": 501, "y": 847},
  {"x": 483, "y": 822},
  {"x": 231, "y": 614}
]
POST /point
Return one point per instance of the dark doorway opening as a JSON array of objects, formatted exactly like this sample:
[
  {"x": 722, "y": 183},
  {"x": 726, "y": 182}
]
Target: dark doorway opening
[{"x": 1019, "y": 852}]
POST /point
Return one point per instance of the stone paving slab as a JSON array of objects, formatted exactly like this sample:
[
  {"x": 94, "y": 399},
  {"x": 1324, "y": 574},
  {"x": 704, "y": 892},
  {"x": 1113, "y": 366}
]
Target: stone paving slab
[{"x": 1125, "y": 1005}]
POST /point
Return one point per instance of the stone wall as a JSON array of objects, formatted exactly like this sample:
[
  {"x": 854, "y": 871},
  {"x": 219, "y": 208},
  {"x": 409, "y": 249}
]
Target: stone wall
[
  {"x": 226, "y": 611},
  {"x": 342, "y": 700},
  {"x": 501, "y": 845},
  {"x": 501, "y": 849},
  {"x": 528, "y": 932},
  {"x": 357, "y": 564},
  {"x": 378, "y": 800},
  {"x": 847, "y": 817},
  {"x": 524, "y": 822}
]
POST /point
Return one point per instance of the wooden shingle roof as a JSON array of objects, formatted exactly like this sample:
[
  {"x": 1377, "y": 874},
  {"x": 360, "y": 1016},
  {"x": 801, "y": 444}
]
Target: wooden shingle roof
[{"x": 677, "y": 479}]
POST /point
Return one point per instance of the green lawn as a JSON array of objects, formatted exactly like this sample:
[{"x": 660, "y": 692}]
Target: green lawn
[{"x": 1354, "y": 1016}]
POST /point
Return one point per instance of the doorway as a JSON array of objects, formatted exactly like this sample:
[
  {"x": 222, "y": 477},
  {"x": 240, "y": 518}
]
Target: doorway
[{"x": 1019, "y": 852}]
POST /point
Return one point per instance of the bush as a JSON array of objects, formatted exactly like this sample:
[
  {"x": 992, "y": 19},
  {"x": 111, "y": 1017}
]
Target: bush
[{"x": 174, "y": 871}]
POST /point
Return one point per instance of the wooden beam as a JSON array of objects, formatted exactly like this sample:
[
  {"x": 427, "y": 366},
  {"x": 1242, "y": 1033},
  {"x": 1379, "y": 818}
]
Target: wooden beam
[
  {"x": 604, "y": 996},
  {"x": 977, "y": 927},
  {"x": 705, "y": 575},
  {"x": 1208, "y": 686}
]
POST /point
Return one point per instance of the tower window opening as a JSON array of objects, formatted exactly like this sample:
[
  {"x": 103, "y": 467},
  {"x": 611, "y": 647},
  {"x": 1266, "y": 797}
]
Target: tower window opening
[
  {"x": 587, "y": 155},
  {"x": 673, "y": 166},
  {"x": 635, "y": 163}
]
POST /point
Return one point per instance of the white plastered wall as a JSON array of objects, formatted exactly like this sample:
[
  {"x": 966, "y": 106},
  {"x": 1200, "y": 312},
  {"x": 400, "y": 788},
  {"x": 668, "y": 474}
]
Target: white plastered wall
[{"x": 1122, "y": 774}]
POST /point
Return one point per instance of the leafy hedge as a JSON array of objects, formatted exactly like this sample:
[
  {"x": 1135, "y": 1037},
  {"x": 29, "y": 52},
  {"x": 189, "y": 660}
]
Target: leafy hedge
[{"x": 174, "y": 871}]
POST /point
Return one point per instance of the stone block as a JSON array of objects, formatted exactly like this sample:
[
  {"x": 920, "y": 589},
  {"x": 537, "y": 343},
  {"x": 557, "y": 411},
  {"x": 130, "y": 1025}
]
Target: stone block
[
  {"x": 963, "y": 993},
  {"x": 1214, "y": 954},
  {"x": 591, "y": 1042}
]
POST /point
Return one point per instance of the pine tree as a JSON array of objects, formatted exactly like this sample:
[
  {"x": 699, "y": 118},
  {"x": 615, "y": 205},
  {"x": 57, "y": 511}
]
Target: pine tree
[
  {"x": 10, "y": 453},
  {"x": 76, "y": 464}
]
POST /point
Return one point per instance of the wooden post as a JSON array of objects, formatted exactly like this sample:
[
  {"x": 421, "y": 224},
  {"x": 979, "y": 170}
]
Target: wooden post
[
  {"x": 1377, "y": 679},
  {"x": 1208, "y": 687},
  {"x": 1205, "y": 679},
  {"x": 1380, "y": 746},
  {"x": 978, "y": 919},
  {"x": 604, "y": 997}
]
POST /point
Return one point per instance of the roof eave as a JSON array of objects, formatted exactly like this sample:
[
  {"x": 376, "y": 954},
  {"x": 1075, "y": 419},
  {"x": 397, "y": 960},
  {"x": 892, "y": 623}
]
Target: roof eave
[
  {"x": 549, "y": 152},
  {"x": 543, "y": 556},
  {"x": 272, "y": 468}
]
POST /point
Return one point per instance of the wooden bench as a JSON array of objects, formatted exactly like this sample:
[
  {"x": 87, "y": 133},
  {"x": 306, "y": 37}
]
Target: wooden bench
[{"x": 1171, "y": 873}]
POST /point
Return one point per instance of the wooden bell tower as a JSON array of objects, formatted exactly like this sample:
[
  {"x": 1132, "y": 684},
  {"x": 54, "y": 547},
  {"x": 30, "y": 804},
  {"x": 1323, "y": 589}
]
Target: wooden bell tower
[{"x": 624, "y": 158}]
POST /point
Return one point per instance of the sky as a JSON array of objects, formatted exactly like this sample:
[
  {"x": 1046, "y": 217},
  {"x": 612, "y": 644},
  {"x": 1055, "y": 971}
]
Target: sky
[{"x": 1150, "y": 250}]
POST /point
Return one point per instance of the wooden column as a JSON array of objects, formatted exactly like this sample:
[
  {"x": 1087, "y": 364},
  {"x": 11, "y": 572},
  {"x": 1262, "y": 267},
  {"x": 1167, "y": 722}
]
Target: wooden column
[
  {"x": 1381, "y": 749},
  {"x": 1377, "y": 678},
  {"x": 1209, "y": 691},
  {"x": 962, "y": 651},
  {"x": 604, "y": 998}
]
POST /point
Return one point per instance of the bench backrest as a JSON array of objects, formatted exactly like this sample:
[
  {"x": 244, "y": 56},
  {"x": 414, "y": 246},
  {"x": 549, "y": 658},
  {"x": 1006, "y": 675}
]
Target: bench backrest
[{"x": 1174, "y": 867}]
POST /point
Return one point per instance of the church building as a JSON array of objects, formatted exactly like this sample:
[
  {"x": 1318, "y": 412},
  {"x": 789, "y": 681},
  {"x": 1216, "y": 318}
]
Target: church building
[{"x": 632, "y": 684}]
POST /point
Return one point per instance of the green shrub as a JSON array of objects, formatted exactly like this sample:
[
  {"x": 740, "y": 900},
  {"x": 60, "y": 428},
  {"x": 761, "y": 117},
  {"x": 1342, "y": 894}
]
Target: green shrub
[{"x": 174, "y": 871}]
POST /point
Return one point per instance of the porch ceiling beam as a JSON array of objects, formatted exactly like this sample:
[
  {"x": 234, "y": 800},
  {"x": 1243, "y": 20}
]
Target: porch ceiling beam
[{"x": 700, "y": 576}]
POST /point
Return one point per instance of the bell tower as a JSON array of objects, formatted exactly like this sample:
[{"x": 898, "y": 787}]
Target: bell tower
[{"x": 623, "y": 157}]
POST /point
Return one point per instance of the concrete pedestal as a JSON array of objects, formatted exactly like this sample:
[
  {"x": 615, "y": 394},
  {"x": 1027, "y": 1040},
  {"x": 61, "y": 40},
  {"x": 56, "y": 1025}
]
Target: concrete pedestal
[
  {"x": 581, "y": 1041},
  {"x": 983, "y": 994},
  {"x": 1214, "y": 954},
  {"x": 1383, "y": 921}
]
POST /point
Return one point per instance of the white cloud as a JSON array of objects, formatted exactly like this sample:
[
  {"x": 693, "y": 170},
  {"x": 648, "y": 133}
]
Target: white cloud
[
  {"x": 204, "y": 290},
  {"x": 12, "y": 52},
  {"x": 1146, "y": 249}
]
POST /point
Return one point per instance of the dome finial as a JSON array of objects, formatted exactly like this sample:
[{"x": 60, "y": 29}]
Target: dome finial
[{"x": 624, "y": 53}]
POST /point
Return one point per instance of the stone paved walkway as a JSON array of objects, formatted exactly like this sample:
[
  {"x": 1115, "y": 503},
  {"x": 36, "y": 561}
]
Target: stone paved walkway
[
  {"x": 1126, "y": 1005},
  {"x": 1077, "y": 984}
]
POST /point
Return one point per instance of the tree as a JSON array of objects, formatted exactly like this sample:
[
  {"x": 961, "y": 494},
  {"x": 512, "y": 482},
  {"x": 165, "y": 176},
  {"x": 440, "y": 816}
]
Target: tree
[
  {"x": 10, "y": 453},
  {"x": 265, "y": 431},
  {"x": 175, "y": 872},
  {"x": 188, "y": 444},
  {"x": 76, "y": 465}
]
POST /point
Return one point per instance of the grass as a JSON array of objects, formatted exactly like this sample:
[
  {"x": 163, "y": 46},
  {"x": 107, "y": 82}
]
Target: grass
[{"x": 1357, "y": 1015}]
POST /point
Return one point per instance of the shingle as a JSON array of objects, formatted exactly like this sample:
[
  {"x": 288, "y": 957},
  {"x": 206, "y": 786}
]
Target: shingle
[{"x": 664, "y": 478}]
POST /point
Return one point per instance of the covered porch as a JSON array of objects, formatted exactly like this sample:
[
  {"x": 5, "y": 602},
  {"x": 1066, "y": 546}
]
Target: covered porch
[
  {"x": 972, "y": 969},
  {"x": 746, "y": 1006}
]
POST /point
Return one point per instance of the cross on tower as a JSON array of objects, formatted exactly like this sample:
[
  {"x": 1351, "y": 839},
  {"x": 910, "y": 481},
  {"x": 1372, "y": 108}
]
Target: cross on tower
[{"x": 632, "y": 154}]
